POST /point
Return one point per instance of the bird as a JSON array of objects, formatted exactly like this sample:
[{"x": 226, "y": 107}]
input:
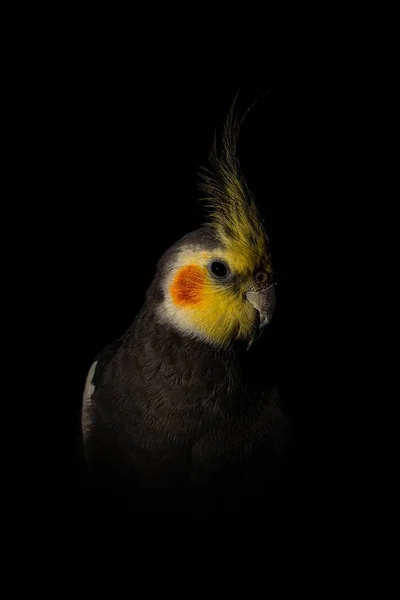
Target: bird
[{"x": 177, "y": 412}]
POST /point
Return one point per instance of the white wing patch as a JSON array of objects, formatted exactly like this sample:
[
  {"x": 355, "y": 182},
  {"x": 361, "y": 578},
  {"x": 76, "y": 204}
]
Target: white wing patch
[{"x": 87, "y": 400}]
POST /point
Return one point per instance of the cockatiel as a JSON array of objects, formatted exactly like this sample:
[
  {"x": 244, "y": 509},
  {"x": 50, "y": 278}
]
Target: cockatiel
[{"x": 169, "y": 410}]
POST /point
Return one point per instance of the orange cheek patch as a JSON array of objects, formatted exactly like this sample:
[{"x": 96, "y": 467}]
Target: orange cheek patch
[{"x": 188, "y": 285}]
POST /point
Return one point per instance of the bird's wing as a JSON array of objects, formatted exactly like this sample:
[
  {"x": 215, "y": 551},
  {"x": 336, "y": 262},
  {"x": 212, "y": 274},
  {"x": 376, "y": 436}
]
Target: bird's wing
[{"x": 93, "y": 380}]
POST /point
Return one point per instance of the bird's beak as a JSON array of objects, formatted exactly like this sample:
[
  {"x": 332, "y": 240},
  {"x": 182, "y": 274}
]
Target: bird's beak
[{"x": 264, "y": 302}]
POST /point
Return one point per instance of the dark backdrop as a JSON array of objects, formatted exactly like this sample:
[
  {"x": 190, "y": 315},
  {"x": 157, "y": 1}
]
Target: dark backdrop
[{"x": 128, "y": 132}]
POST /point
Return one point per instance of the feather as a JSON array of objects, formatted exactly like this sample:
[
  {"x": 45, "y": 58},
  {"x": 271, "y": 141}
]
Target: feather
[{"x": 231, "y": 207}]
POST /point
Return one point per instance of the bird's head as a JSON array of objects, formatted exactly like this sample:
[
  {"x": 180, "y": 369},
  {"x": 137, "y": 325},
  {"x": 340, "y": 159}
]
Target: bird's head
[{"x": 217, "y": 281}]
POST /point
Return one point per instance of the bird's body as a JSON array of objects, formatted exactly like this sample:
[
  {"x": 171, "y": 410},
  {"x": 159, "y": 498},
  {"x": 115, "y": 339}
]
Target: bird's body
[{"x": 171, "y": 409}]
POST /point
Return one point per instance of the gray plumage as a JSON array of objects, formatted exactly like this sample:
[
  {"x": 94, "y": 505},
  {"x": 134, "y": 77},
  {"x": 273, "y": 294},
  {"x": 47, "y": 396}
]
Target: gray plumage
[{"x": 171, "y": 415}]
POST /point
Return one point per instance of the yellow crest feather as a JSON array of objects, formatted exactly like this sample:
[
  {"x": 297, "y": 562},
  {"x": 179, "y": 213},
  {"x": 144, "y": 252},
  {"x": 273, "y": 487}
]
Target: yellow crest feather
[{"x": 233, "y": 214}]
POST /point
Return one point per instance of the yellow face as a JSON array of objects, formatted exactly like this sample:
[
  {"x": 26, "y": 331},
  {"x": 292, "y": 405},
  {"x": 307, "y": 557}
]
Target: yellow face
[{"x": 205, "y": 293}]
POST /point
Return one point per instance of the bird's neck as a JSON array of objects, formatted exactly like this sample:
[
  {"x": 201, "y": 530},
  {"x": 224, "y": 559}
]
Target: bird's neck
[{"x": 190, "y": 367}]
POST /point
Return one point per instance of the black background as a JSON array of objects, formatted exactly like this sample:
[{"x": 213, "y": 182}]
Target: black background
[{"x": 125, "y": 126}]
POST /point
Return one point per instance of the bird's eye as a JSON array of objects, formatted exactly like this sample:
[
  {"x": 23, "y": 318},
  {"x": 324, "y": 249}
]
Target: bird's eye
[
  {"x": 219, "y": 269},
  {"x": 261, "y": 277}
]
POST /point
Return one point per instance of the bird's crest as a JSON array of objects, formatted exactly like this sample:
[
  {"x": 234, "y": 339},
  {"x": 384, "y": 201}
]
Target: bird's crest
[{"x": 232, "y": 212}]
